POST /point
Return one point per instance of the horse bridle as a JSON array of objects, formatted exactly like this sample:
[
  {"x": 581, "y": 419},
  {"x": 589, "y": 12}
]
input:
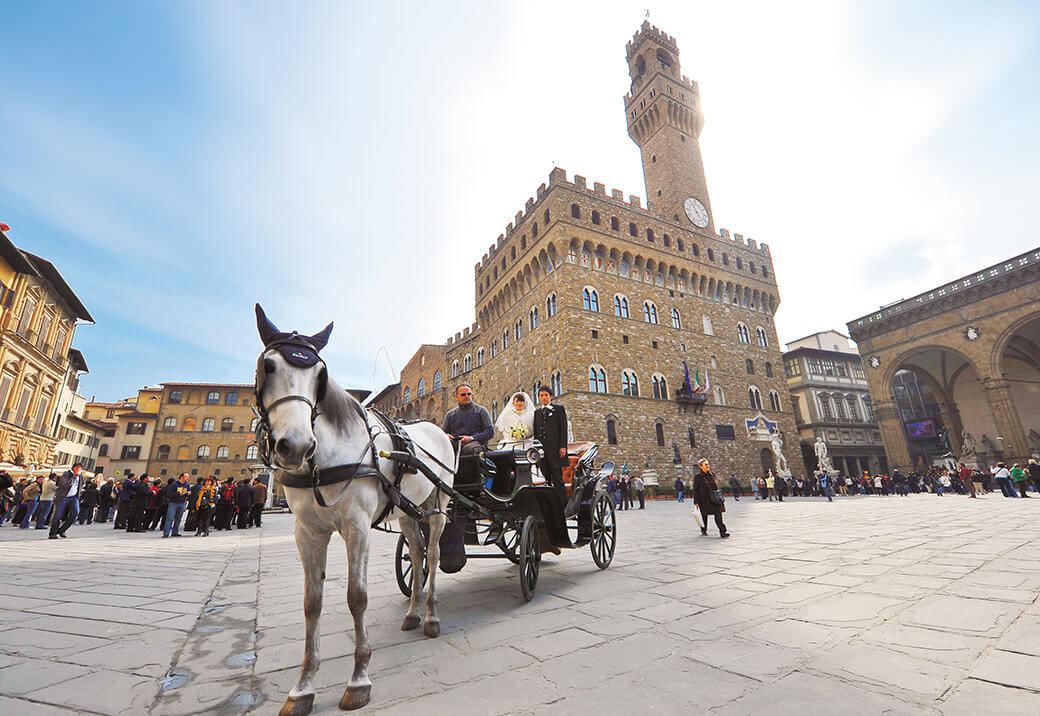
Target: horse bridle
[{"x": 265, "y": 441}]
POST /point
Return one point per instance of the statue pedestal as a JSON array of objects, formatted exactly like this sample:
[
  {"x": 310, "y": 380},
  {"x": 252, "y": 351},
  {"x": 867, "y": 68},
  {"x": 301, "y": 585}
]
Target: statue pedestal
[{"x": 786, "y": 474}]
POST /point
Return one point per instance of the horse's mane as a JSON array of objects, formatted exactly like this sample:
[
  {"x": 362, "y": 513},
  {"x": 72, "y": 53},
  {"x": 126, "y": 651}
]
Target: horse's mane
[{"x": 338, "y": 405}]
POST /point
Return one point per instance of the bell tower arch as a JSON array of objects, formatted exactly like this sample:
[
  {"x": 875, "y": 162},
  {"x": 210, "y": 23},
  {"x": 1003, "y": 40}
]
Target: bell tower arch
[{"x": 664, "y": 115}]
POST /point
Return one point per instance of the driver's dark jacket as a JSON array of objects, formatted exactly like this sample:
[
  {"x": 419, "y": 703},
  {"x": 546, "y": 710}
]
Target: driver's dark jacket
[{"x": 473, "y": 420}]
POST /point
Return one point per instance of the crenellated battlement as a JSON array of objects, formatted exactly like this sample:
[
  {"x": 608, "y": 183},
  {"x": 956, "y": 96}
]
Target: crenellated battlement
[
  {"x": 558, "y": 177},
  {"x": 685, "y": 82},
  {"x": 648, "y": 30},
  {"x": 465, "y": 334}
]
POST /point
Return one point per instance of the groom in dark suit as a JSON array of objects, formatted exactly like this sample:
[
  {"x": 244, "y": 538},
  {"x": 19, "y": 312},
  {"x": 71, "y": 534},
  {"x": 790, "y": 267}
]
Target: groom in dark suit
[{"x": 550, "y": 429}]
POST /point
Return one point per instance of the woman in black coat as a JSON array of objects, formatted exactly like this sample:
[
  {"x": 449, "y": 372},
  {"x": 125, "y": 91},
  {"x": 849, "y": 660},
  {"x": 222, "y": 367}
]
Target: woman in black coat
[
  {"x": 88, "y": 501},
  {"x": 704, "y": 484}
]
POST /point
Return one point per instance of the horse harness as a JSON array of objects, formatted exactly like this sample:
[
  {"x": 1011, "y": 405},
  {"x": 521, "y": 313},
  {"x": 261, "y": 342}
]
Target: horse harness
[{"x": 298, "y": 351}]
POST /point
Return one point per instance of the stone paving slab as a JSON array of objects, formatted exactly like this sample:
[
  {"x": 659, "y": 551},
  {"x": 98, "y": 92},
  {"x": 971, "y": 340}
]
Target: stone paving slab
[{"x": 864, "y": 605}]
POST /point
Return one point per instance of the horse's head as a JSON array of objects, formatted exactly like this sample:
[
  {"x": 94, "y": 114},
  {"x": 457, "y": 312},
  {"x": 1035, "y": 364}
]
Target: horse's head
[{"x": 291, "y": 379}]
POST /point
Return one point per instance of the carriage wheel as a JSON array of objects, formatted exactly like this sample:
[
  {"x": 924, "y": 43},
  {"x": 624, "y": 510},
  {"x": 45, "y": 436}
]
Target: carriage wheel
[
  {"x": 530, "y": 557},
  {"x": 403, "y": 567},
  {"x": 604, "y": 531},
  {"x": 508, "y": 542}
]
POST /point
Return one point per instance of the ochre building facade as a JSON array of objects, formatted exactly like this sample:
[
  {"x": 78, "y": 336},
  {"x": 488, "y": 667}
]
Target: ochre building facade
[{"x": 604, "y": 299}]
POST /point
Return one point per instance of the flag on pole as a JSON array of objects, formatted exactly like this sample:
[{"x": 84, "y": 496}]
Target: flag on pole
[
  {"x": 4, "y": 227},
  {"x": 687, "y": 386}
]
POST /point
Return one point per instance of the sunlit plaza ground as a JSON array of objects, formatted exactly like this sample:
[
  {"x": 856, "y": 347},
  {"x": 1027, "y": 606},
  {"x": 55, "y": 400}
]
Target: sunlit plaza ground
[{"x": 865, "y": 605}]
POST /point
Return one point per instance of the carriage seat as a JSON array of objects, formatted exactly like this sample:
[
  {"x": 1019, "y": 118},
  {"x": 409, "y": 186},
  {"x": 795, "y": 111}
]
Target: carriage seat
[{"x": 473, "y": 471}]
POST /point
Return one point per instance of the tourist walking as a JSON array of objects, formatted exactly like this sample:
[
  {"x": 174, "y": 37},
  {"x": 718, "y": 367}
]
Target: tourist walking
[
  {"x": 825, "y": 485},
  {"x": 965, "y": 474},
  {"x": 1003, "y": 477},
  {"x": 225, "y": 505},
  {"x": 244, "y": 500},
  {"x": 640, "y": 488},
  {"x": 734, "y": 487},
  {"x": 626, "y": 492},
  {"x": 88, "y": 502},
  {"x": 707, "y": 497},
  {"x": 679, "y": 487},
  {"x": 30, "y": 500},
  {"x": 106, "y": 500},
  {"x": 770, "y": 485},
  {"x": 1019, "y": 477},
  {"x": 43, "y": 509},
  {"x": 66, "y": 501}
]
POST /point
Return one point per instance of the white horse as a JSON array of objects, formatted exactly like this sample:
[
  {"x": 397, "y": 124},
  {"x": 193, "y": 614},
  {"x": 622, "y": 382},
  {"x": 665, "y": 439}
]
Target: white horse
[{"x": 311, "y": 423}]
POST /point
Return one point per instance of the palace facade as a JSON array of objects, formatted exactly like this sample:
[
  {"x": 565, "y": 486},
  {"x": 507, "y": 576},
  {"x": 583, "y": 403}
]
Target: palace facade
[{"x": 609, "y": 302}]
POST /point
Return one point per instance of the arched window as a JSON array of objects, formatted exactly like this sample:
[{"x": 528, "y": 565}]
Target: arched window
[
  {"x": 169, "y": 424},
  {"x": 614, "y": 223},
  {"x": 659, "y": 429},
  {"x": 467, "y": 363},
  {"x": 253, "y": 423},
  {"x": 693, "y": 438},
  {"x": 649, "y": 312},
  {"x": 714, "y": 362},
  {"x": 660, "y": 387},
  {"x": 209, "y": 425},
  {"x": 523, "y": 239},
  {"x": 455, "y": 369},
  {"x": 550, "y": 305},
  {"x": 545, "y": 217},
  {"x": 589, "y": 299},
  {"x": 407, "y": 396},
  {"x": 575, "y": 211},
  {"x": 755, "y": 398},
  {"x": 749, "y": 365},
  {"x": 597, "y": 379},
  {"x": 163, "y": 453},
  {"x": 611, "y": 431},
  {"x": 251, "y": 452},
  {"x": 632, "y": 230},
  {"x": 532, "y": 317},
  {"x": 711, "y": 255},
  {"x": 760, "y": 334},
  {"x": 595, "y": 217},
  {"x": 518, "y": 329},
  {"x": 202, "y": 452},
  {"x": 649, "y": 234},
  {"x": 505, "y": 339},
  {"x": 438, "y": 380},
  {"x": 769, "y": 369},
  {"x": 421, "y": 391},
  {"x": 774, "y": 400},
  {"x": 227, "y": 425},
  {"x": 853, "y": 408},
  {"x": 740, "y": 264},
  {"x": 708, "y": 330},
  {"x": 679, "y": 246},
  {"x": 223, "y": 452},
  {"x": 667, "y": 240},
  {"x": 629, "y": 383},
  {"x": 556, "y": 382},
  {"x": 480, "y": 356},
  {"x": 751, "y": 266},
  {"x": 695, "y": 249},
  {"x": 725, "y": 259},
  {"x": 742, "y": 333},
  {"x": 494, "y": 348},
  {"x": 676, "y": 321},
  {"x": 720, "y": 396},
  {"x": 620, "y": 306}
]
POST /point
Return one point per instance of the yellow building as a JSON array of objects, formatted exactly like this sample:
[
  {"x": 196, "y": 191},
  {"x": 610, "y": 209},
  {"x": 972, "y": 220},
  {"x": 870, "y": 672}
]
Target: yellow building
[{"x": 38, "y": 318}]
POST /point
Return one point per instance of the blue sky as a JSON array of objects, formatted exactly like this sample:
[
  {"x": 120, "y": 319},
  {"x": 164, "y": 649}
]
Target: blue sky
[{"x": 351, "y": 162}]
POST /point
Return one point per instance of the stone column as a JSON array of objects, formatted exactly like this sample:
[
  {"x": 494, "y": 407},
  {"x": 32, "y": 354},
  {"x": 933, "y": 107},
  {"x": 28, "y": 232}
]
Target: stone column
[
  {"x": 1005, "y": 415},
  {"x": 892, "y": 434}
]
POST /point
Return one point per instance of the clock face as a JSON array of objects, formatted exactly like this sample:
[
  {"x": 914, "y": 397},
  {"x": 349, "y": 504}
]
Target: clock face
[{"x": 696, "y": 211}]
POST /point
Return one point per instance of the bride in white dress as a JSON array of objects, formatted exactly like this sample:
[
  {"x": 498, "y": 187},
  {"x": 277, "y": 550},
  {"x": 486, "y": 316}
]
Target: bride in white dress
[{"x": 516, "y": 425}]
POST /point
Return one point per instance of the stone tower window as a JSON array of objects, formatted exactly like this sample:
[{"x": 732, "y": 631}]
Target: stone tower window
[
  {"x": 595, "y": 217},
  {"x": 664, "y": 58},
  {"x": 629, "y": 383},
  {"x": 614, "y": 223},
  {"x": 751, "y": 266},
  {"x": 545, "y": 217},
  {"x": 711, "y": 255},
  {"x": 774, "y": 401},
  {"x": 695, "y": 249},
  {"x": 550, "y": 305},
  {"x": 620, "y": 306},
  {"x": 437, "y": 380},
  {"x": 754, "y": 398},
  {"x": 660, "y": 387},
  {"x": 659, "y": 428},
  {"x": 454, "y": 371},
  {"x": 611, "y": 431},
  {"x": 769, "y": 369},
  {"x": 467, "y": 363},
  {"x": 749, "y": 365},
  {"x": 676, "y": 321},
  {"x": 575, "y": 211},
  {"x": 480, "y": 357},
  {"x": 597, "y": 379},
  {"x": 725, "y": 259},
  {"x": 708, "y": 330},
  {"x": 760, "y": 334},
  {"x": 632, "y": 230},
  {"x": 649, "y": 234},
  {"x": 650, "y": 312},
  {"x": 742, "y": 333},
  {"x": 556, "y": 382},
  {"x": 590, "y": 299}
]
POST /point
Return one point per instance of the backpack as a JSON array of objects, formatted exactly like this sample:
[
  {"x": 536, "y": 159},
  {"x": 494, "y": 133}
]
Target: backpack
[{"x": 227, "y": 493}]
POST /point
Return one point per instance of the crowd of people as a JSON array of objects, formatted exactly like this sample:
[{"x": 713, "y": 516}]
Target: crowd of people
[{"x": 134, "y": 504}]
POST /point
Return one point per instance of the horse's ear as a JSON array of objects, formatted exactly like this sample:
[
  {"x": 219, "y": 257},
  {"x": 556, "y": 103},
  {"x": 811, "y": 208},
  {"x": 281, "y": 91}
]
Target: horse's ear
[
  {"x": 321, "y": 338},
  {"x": 263, "y": 324}
]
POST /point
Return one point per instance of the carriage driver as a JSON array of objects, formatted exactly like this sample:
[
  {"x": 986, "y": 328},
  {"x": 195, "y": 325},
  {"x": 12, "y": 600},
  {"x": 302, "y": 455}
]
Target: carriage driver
[{"x": 469, "y": 423}]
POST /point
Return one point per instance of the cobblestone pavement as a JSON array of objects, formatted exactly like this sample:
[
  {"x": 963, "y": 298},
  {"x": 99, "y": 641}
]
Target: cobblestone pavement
[{"x": 865, "y": 605}]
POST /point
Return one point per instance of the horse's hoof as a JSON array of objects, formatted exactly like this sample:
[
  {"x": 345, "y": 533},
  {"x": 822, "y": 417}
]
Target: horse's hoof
[
  {"x": 432, "y": 629},
  {"x": 355, "y": 697},
  {"x": 297, "y": 705},
  {"x": 411, "y": 622}
]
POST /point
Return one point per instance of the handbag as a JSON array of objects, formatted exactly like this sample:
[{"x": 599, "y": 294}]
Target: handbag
[{"x": 717, "y": 498}]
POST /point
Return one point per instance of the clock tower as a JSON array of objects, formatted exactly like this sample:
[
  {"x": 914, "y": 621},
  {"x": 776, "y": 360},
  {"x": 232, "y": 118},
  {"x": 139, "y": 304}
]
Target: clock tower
[{"x": 665, "y": 120}]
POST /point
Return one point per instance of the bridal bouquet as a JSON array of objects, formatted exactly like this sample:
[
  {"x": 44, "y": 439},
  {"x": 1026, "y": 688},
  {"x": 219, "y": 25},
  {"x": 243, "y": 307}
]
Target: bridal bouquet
[{"x": 518, "y": 431}]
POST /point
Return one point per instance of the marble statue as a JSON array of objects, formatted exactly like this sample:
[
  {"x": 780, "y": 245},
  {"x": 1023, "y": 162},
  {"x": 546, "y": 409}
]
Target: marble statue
[
  {"x": 967, "y": 445},
  {"x": 822, "y": 459},
  {"x": 988, "y": 448},
  {"x": 778, "y": 452}
]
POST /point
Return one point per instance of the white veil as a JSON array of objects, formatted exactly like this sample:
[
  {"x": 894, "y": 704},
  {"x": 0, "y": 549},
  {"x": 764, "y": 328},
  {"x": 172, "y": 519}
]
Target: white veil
[{"x": 509, "y": 417}]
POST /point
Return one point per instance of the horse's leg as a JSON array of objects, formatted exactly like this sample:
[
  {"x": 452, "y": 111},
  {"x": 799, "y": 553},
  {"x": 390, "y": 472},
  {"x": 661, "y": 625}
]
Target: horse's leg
[
  {"x": 432, "y": 628},
  {"x": 313, "y": 545},
  {"x": 359, "y": 690},
  {"x": 416, "y": 552}
]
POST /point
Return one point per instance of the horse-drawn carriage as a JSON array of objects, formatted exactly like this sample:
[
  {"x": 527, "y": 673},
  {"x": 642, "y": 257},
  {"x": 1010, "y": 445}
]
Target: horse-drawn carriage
[{"x": 495, "y": 503}]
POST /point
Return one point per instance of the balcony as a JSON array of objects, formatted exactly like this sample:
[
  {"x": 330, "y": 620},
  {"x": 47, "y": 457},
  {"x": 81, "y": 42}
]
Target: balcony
[{"x": 687, "y": 399}]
